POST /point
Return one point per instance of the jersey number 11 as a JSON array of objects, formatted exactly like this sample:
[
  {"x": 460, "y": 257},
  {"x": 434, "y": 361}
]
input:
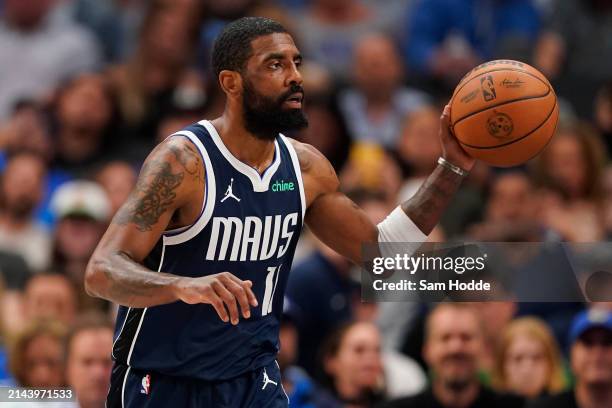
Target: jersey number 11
[{"x": 271, "y": 282}]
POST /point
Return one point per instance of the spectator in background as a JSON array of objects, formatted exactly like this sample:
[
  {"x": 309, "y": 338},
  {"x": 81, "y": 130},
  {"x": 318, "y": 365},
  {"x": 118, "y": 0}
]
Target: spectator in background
[
  {"x": 370, "y": 167},
  {"x": 88, "y": 360},
  {"x": 21, "y": 190},
  {"x": 5, "y": 376},
  {"x": 117, "y": 178},
  {"x": 495, "y": 317},
  {"x": 511, "y": 211},
  {"x": 453, "y": 343},
  {"x": 528, "y": 361},
  {"x": 447, "y": 38},
  {"x": 158, "y": 72},
  {"x": 175, "y": 120},
  {"x": 83, "y": 211},
  {"x": 114, "y": 23},
  {"x": 26, "y": 130},
  {"x": 608, "y": 201},
  {"x": 50, "y": 296},
  {"x": 37, "y": 52},
  {"x": 322, "y": 289},
  {"x": 85, "y": 116},
  {"x": 328, "y": 30},
  {"x": 575, "y": 49},
  {"x": 418, "y": 148},
  {"x": 11, "y": 301},
  {"x": 301, "y": 390},
  {"x": 591, "y": 362},
  {"x": 571, "y": 171},
  {"x": 327, "y": 131},
  {"x": 603, "y": 114},
  {"x": 374, "y": 107},
  {"x": 353, "y": 366},
  {"x": 37, "y": 355}
]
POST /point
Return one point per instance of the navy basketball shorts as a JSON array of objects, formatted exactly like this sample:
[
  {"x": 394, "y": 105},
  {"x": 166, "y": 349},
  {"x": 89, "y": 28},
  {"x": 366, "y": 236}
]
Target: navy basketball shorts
[{"x": 132, "y": 388}]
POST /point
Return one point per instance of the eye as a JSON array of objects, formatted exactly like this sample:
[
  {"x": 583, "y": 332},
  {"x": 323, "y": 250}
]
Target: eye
[
  {"x": 298, "y": 63},
  {"x": 275, "y": 65}
]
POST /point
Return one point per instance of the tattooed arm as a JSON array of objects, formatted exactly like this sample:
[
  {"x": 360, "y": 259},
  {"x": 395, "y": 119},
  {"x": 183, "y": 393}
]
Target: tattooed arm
[
  {"x": 343, "y": 226},
  {"x": 168, "y": 194}
]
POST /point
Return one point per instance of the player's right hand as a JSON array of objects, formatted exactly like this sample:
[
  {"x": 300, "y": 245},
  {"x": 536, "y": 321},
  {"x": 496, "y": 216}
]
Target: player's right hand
[{"x": 223, "y": 291}]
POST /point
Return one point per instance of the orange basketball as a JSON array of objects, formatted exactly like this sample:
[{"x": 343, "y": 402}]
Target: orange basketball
[{"x": 504, "y": 112}]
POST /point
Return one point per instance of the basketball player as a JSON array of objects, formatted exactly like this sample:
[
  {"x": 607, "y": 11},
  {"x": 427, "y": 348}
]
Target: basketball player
[{"x": 198, "y": 256}]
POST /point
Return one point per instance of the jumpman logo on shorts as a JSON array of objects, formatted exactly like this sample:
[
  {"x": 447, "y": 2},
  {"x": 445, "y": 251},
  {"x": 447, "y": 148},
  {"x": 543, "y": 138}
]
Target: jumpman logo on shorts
[
  {"x": 229, "y": 193},
  {"x": 267, "y": 380}
]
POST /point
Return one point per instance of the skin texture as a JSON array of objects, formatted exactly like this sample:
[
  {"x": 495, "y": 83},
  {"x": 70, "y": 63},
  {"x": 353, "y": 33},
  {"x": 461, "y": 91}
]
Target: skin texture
[{"x": 170, "y": 190}]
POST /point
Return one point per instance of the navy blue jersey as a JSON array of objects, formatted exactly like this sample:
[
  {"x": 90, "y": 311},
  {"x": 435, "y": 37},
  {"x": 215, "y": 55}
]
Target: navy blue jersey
[{"x": 249, "y": 225}]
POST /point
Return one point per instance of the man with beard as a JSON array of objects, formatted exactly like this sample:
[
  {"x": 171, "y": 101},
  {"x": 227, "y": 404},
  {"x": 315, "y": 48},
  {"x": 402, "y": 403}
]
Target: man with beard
[
  {"x": 21, "y": 190},
  {"x": 217, "y": 211},
  {"x": 454, "y": 337},
  {"x": 591, "y": 362}
]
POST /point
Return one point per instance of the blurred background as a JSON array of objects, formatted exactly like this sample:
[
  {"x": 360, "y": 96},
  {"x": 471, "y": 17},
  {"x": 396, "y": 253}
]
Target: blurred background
[{"x": 89, "y": 87}]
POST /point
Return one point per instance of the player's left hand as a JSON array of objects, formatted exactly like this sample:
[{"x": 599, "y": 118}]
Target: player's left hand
[{"x": 451, "y": 149}]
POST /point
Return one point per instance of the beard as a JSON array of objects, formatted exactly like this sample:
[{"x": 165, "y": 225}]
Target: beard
[
  {"x": 265, "y": 118},
  {"x": 458, "y": 381},
  {"x": 20, "y": 209}
]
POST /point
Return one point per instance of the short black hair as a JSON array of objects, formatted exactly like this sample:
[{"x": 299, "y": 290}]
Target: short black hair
[{"x": 232, "y": 47}]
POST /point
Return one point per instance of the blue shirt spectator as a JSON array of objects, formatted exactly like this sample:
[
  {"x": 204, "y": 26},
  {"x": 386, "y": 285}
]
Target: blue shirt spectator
[
  {"x": 454, "y": 35},
  {"x": 322, "y": 291},
  {"x": 5, "y": 376}
]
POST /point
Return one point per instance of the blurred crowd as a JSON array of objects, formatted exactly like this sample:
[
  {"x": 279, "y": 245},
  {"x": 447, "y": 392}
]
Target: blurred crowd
[{"x": 89, "y": 87}]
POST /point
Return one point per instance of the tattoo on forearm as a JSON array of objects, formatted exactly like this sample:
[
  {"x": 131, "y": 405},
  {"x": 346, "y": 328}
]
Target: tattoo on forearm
[
  {"x": 152, "y": 196},
  {"x": 427, "y": 206}
]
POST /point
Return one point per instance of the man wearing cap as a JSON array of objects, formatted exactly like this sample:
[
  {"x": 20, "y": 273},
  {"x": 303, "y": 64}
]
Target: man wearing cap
[
  {"x": 591, "y": 363},
  {"x": 82, "y": 210}
]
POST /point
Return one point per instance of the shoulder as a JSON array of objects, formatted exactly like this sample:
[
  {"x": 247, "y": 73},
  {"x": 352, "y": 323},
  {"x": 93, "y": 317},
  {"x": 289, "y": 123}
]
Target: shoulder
[
  {"x": 175, "y": 150},
  {"x": 175, "y": 162},
  {"x": 317, "y": 172}
]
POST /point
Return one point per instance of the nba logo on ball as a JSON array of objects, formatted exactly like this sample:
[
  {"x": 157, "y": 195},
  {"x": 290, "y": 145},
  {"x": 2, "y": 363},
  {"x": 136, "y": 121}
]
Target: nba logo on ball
[
  {"x": 146, "y": 385},
  {"x": 488, "y": 89}
]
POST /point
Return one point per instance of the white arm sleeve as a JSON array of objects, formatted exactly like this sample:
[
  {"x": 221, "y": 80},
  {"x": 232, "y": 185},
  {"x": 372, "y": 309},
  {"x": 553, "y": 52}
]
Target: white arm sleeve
[{"x": 398, "y": 227}]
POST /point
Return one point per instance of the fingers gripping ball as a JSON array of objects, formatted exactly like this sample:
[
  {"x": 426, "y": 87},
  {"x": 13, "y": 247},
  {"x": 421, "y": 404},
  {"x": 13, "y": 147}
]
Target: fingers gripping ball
[{"x": 504, "y": 112}]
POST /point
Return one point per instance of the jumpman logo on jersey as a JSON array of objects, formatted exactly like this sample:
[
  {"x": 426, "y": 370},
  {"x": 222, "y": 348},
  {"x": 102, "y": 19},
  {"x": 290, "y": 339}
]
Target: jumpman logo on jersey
[
  {"x": 267, "y": 380},
  {"x": 229, "y": 192}
]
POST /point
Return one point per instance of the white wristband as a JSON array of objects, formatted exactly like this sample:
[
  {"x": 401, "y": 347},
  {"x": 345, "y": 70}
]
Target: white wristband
[{"x": 398, "y": 227}]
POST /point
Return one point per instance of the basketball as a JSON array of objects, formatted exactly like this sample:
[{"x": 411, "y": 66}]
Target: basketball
[{"x": 504, "y": 112}]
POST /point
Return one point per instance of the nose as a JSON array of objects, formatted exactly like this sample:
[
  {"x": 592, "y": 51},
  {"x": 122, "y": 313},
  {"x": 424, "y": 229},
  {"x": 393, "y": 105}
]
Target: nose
[{"x": 294, "y": 76}]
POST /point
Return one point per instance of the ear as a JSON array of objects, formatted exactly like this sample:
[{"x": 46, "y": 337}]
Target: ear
[{"x": 231, "y": 82}]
